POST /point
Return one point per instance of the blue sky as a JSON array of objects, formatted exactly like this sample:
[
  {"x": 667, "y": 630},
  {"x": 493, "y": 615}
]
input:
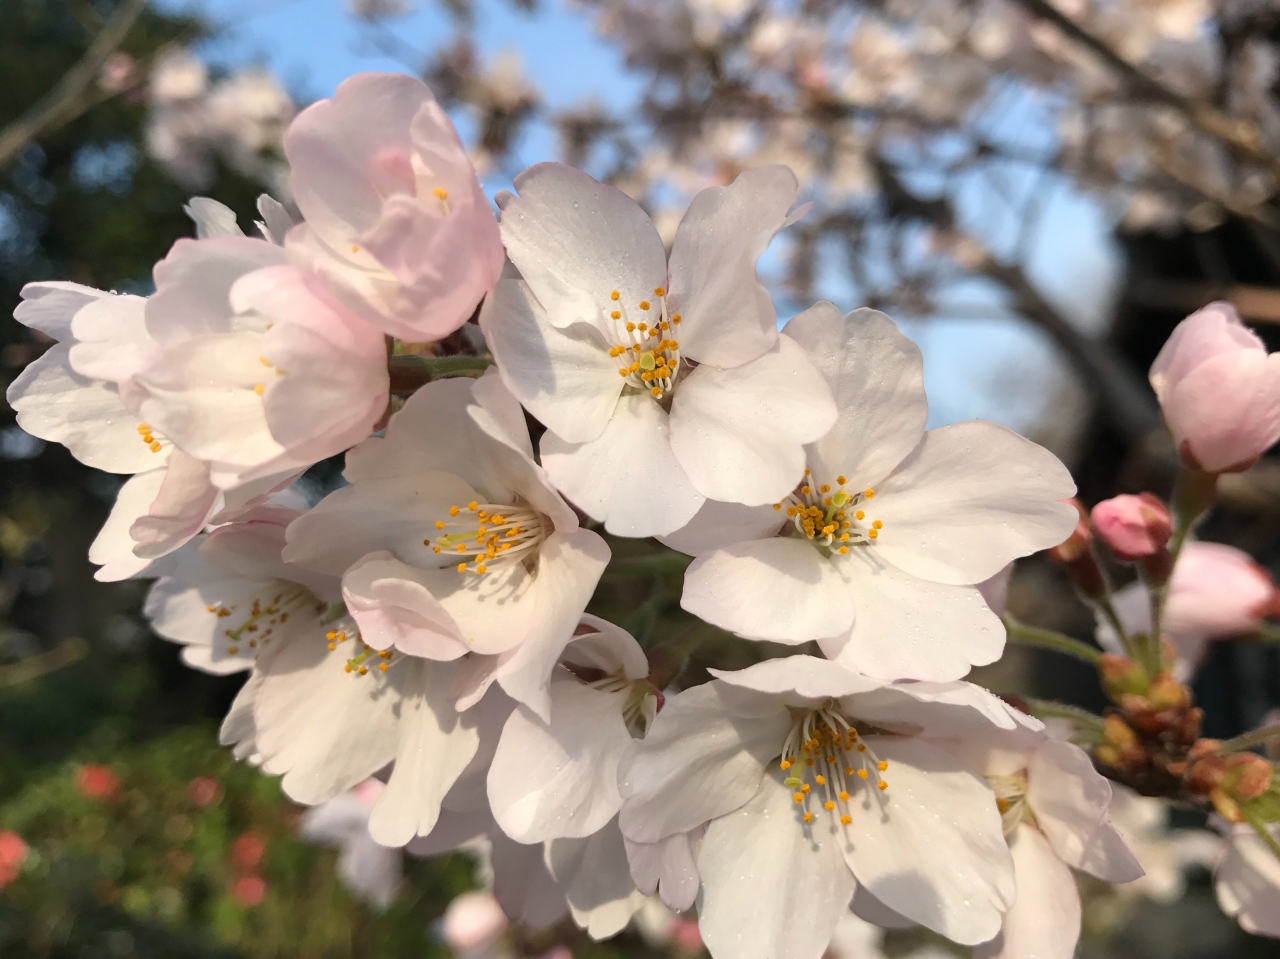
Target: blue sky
[{"x": 989, "y": 367}]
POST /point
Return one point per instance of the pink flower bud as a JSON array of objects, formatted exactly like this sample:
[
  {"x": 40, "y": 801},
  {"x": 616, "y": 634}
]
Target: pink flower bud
[
  {"x": 13, "y": 853},
  {"x": 97, "y": 782},
  {"x": 1077, "y": 544},
  {"x": 1219, "y": 390},
  {"x": 1133, "y": 527},
  {"x": 250, "y": 890}
]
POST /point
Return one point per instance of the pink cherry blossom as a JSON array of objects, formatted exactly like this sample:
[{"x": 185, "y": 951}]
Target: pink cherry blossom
[
  {"x": 1133, "y": 527},
  {"x": 1219, "y": 389},
  {"x": 395, "y": 216}
]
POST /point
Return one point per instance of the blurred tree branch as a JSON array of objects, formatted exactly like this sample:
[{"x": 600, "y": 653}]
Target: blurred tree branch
[{"x": 71, "y": 96}]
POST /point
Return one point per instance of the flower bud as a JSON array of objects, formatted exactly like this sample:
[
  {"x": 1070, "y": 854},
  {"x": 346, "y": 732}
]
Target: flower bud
[
  {"x": 1247, "y": 776},
  {"x": 1121, "y": 675},
  {"x": 1219, "y": 391},
  {"x": 1166, "y": 692},
  {"x": 1133, "y": 527}
]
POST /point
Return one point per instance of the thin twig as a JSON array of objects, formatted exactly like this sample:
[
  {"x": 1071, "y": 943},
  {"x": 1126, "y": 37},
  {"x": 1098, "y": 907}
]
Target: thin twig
[
  {"x": 1085, "y": 720},
  {"x": 69, "y": 651},
  {"x": 1048, "y": 639},
  {"x": 1257, "y": 737},
  {"x": 66, "y": 100}
]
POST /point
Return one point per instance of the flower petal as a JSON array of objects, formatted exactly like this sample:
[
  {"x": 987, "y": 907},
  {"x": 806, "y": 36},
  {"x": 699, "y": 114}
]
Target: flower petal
[
  {"x": 50, "y": 305},
  {"x": 772, "y": 887},
  {"x": 877, "y": 378},
  {"x": 596, "y": 880},
  {"x": 392, "y": 604},
  {"x": 739, "y": 432},
  {"x": 576, "y": 240},
  {"x": 435, "y": 746},
  {"x": 1071, "y": 802},
  {"x": 1248, "y": 882},
  {"x": 628, "y": 476},
  {"x": 667, "y": 867},
  {"x": 776, "y": 589},
  {"x": 1227, "y": 410},
  {"x": 565, "y": 378},
  {"x": 930, "y": 847},
  {"x": 560, "y": 779},
  {"x": 112, "y": 549},
  {"x": 324, "y": 729},
  {"x": 972, "y": 497},
  {"x": 909, "y": 628},
  {"x": 798, "y": 678},
  {"x": 430, "y": 433},
  {"x": 729, "y": 317},
  {"x": 1044, "y": 922},
  {"x": 698, "y": 761},
  {"x": 717, "y": 525},
  {"x": 523, "y": 885}
]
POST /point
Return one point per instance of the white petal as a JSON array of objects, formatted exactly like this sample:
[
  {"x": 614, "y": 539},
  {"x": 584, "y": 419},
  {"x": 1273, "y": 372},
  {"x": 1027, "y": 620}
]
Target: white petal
[
  {"x": 627, "y": 477},
  {"x": 395, "y": 514},
  {"x": 560, "y": 779},
  {"x": 57, "y": 404},
  {"x": 370, "y": 870},
  {"x": 523, "y": 885},
  {"x": 392, "y": 603},
  {"x": 183, "y": 505},
  {"x": 430, "y": 433},
  {"x": 1248, "y": 882},
  {"x": 698, "y": 761},
  {"x": 212, "y": 218},
  {"x": 738, "y": 432},
  {"x": 717, "y": 525},
  {"x": 798, "y": 678},
  {"x": 576, "y": 240},
  {"x": 877, "y": 377},
  {"x": 667, "y": 867},
  {"x": 772, "y": 887},
  {"x": 729, "y": 317},
  {"x": 113, "y": 547},
  {"x": 1071, "y": 801},
  {"x": 435, "y": 746},
  {"x": 596, "y": 880},
  {"x": 49, "y": 306},
  {"x": 570, "y": 564},
  {"x": 905, "y": 627},
  {"x": 930, "y": 847},
  {"x": 603, "y": 645},
  {"x": 940, "y": 709},
  {"x": 565, "y": 378},
  {"x": 324, "y": 729},
  {"x": 238, "y": 729},
  {"x": 1044, "y": 922},
  {"x": 778, "y": 589},
  {"x": 971, "y": 498}
]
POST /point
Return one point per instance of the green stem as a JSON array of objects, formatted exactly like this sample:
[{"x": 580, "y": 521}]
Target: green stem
[
  {"x": 424, "y": 369},
  {"x": 662, "y": 564},
  {"x": 1087, "y": 721},
  {"x": 1152, "y": 658},
  {"x": 1265, "y": 834},
  {"x": 1048, "y": 639},
  {"x": 1258, "y": 737},
  {"x": 1104, "y": 606},
  {"x": 64, "y": 654}
]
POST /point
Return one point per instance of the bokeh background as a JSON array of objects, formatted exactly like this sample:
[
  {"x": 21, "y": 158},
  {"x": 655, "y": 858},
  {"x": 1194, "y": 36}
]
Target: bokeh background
[{"x": 1036, "y": 214}]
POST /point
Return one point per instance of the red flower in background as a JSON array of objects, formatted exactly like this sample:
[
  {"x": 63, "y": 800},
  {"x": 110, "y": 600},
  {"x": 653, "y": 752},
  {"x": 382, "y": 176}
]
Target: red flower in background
[
  {"x": 97, "y": 781},
  {"x": 247, "y": 850},
  {"x": 250, "y": 890},
  {"x": 204, "y": 791},
  {"x": 13, "y": 853}
]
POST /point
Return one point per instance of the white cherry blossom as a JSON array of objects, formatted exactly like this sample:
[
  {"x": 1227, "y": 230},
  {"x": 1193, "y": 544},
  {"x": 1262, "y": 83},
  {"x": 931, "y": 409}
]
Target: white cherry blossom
[
  {"x": 662, "y": 383},
  {"x": 813, "y": 780},
  {"x": 451, "y": 540},
  {"x": 878, "y": 552}
]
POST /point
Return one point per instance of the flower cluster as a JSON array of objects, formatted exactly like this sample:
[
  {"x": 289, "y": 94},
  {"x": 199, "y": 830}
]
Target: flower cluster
[{"x": 421, "y": 634}]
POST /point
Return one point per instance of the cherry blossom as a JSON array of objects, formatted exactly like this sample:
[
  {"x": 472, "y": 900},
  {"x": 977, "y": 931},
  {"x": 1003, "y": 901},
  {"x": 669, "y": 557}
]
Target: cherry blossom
[
  {"x": 877, "y": 553},
  {"x": 1247, "y": 881},
  {"x": 802, "y": 803},
  {"x": 1219, "y": 390},
  {"x": 450, "y": 539},
  {"x": 370, "y": 870},
  {"x": 663, "y": 384},
  {"x": 394, "y": 215}
]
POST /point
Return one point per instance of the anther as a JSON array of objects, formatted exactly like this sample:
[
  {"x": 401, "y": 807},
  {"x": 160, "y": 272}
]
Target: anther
[
  {"x": 644, "y": 304},
  {"x": 614, "y": 295},
  {"x": 659, "y": 291}
]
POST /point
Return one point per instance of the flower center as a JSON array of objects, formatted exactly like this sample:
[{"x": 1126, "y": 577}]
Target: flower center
[
  {"x": 364, "y": 657},
  {"x": 833, "y": 520},
  {"x": 154, "y": 443},
  {"x": 249, "y": 630},
  {"x": 1011, "y": 800},
  {"x": 640, "y": 705},
  {"x": 485, "y": 537},
  {"x": 648, "y": 359},
  {"x": 825, "y": 747}
]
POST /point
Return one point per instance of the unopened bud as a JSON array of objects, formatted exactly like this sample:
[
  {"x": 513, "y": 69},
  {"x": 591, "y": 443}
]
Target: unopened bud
[
  {"x": 1120, "y": 746},
  {"x": 1206, "y": 774},
  {"x": 1133, "y": 527},
  {"x": 1121, "y": 675},
  {"x": 1247, "y": 776},
  {"x": 1077, "y": 544},
  {"x": 1165, "y": 692}
]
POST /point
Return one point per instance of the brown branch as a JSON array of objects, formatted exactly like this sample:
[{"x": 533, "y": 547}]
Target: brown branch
[
  {"x": 1240, "y": 136},
  {"x": 67, "y": 99}
]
